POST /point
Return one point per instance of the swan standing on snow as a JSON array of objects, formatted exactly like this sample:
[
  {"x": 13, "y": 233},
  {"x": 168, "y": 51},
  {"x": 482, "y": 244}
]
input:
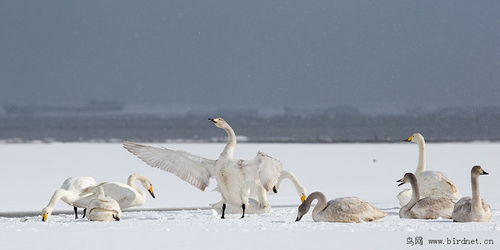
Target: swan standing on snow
[
  {"x": 473, "y": 209},
  {"x": 426, "y": 208},
  {"x": 254, "y": 206},
  {"x": 70, "y": 193},
  {"x": 431, "y": 183},
  {"x": 235, "y": 178},
  {"x": 103, "y": 208},
  {"x": 346, "y": 209},
  {"x": 127, "y": 195}
]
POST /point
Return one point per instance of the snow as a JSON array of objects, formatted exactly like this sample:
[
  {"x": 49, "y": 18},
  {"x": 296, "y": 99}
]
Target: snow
[{"x": 31, "y": 172}]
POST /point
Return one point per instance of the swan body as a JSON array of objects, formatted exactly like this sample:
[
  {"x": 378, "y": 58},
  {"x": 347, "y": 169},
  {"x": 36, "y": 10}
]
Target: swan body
[
  {"x": 431, "y": 183},
  {"x": 425, "y": 208},
  {"x": 69, "y": 192},
  {"x": 127, "y": 195},
  {"x": 103, "y": 208},
  {"x": 345, "y": 209},
  {"x": 235, "y": 178},
  {"x": 473, "y": 209}
]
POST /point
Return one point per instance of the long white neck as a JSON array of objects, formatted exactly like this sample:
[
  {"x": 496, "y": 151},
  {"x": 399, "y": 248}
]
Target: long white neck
[
  {"x": 421, "y": 155},
  {"x": 476, "y": 198},
  {"x": 290, "y": 176},
  {"x": 320, "y": 206},
  {"x": 415, "y": 197},
  {"x": 131, "y": 182},
  {"x": 61, "y": 194},
  {"x": 231, "y": 143}
]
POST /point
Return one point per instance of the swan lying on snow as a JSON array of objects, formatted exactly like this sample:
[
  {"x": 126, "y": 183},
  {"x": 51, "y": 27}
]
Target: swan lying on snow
[
  {"x": 127, "y": 195},
  {"x": 431, "y": 183},
  {"x": 472, "y": 209},
  {"x": 70, "y": 193},
  {"x": 254, "y": 206},
  {"x": 103, "y": 208},
  {"x": 235, "y": 178},
  {"x": 346, "y": 209},
  {"x": 426, "y": 208}
]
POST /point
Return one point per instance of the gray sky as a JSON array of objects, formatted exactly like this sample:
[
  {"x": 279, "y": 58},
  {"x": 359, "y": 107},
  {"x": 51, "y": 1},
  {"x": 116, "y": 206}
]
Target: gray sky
[{"x": 378, "y": 55}]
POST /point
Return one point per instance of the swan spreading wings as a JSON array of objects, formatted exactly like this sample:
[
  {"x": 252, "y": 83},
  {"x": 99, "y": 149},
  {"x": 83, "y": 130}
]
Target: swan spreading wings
[{"x": 235, "y": 178}]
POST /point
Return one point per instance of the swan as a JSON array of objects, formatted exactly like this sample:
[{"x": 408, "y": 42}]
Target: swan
[
  {"x": 69, "y": 193},
  {"x": 254, "y": 205},
  {"x": 431, "y": 183},
  {"x": 127, "y": 195},
  {"x": 474, "y": 209},
  {"x": 235, "y": 178},
  {"x": 103, "y": 208},
  {"x": 425, "y": 208},
  {"x": 345, "y": 209}
]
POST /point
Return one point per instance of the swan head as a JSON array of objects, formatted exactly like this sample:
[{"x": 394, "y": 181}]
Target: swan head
[
  {"x": 219, "y": 122},
  {"x": 477, "y": 171},
  {"x": 45, "y": 214},
  {"x": 415, "y": 138},
  {"x": 145, "y": 182},
  {"x": 302, "y": 210},
  {"x": 407, "y": 178}
]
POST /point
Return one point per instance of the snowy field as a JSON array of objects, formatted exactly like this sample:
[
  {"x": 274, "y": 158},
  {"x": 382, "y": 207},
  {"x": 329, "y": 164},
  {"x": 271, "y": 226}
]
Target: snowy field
[{"x": 31, "y": 172}]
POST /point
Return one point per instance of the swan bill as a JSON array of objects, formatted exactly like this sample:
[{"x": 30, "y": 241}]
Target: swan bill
[
  {"x": 485, "y": 173},
  {"x": 298, "y": 218},
  {"x": 151, "y": 191},
  {"x": 303, "y": 197},
  {"x": 44, "y": 217},
  {"x": 275, "y": 190},
  {"x": 409, "y": 139},
  {"x": 402, "y": 182}
]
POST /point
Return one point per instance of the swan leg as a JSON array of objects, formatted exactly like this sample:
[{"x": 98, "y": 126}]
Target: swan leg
[
  {"x": 223, "y": 210},
  {"x": 76, "y": 212},
  {"x": 243, "y": 207},
  {"x": 84, "y": 212}
]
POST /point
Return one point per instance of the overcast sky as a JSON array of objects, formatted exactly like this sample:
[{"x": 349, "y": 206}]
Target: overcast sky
[{"x": 377, "y": 55}]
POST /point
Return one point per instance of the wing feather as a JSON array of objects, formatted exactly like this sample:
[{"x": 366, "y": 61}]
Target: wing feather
[
  {"x": 193, "y": 169},
  {"x": 268, "y": 168}
]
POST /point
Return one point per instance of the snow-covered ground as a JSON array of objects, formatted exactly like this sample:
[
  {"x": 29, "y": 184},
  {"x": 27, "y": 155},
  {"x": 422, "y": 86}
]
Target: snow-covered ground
[{"x": 31, "y": 172}]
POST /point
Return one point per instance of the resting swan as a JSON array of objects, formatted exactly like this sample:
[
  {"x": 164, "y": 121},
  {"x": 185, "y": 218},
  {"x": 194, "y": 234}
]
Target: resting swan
[
  {"x": 426, "y": 208},
  {"x": 254, "y": 206},
  {"x": 431, "y": 183},
  {"x": 473, "y": 209},
  {"x": 235, "y": 178},
  {"x": 346, "y": 209},
  {"x": 70, "y": 193},
  {"x": 103, "y": 208},
  {"x": 127, "y": 195}
]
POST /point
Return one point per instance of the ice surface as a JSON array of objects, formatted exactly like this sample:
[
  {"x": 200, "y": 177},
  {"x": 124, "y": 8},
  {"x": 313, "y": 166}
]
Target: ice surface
[{"x": 31, "y": 172}]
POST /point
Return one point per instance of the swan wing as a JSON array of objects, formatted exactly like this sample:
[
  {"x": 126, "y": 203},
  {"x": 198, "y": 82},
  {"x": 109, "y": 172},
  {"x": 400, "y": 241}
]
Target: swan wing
[
  {"x": 193, "y": 169},
  {"x": 268, "y": 168},
  {"x": 437, "y": 184}
]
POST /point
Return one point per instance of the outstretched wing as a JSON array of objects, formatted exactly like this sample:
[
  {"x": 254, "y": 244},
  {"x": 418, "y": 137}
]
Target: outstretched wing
[
  {"x": 194, "y": 169},
  {"x": 268, "y": 168}
]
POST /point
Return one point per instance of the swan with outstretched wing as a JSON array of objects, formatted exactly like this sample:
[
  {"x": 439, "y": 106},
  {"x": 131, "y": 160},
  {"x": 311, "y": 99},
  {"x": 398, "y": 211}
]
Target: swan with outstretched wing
[{"x": 235, "y": 178}]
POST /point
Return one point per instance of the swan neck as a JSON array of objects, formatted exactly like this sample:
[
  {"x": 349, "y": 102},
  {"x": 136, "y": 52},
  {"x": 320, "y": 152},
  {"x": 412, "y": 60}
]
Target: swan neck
[
  {"x": 421, "y": 155},
  {"x": 287, "y": 175},
  {"x": 131, "y": 182},
  {"x": 321, "y": 205},
  {"x": 231, "y": 143},
  {"x": 476, "y": 198},
  {"x": 415, "y": 196},
  {"x": 61, "y": 194}
]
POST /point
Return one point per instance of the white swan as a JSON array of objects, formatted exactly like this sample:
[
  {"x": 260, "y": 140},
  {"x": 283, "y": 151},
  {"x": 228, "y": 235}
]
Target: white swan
[
  {"x": 69, "y": 193},
  {"x": 235, "y": 178},
  {"x": 474, "y": 209},
  {"x": 127, "y": 195},
  {"x": 425, "y": 208},
  {"x": 431, "y": 183},
  {"x": 103, "y": 208},
  {"x": 346, "y": 209},
  {"x": 254, "y": 206}
]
